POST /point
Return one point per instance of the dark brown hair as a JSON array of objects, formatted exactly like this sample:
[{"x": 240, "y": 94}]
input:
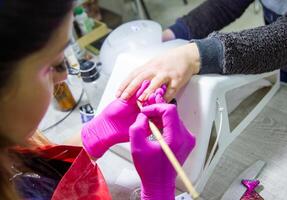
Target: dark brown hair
[{"x": 25, "y": 27}]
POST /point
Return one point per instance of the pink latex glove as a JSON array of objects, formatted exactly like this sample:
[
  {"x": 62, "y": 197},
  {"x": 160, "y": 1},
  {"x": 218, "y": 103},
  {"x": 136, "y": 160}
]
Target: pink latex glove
[
  {"x": 112, "y": 125},
  {"x": 156, "y": 96},
  {"x": 155, "y": 170}
]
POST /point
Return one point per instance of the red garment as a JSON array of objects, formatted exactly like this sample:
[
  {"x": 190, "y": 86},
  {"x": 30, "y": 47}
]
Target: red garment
[{"x": 82, "y": 181}]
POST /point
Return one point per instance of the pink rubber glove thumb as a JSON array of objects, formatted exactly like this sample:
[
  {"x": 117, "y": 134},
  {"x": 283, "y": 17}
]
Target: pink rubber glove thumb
[
  {"x": 156, "y": 173},
  {"x": 111, "y": 126},
  {"x": 156, "y": 96}
]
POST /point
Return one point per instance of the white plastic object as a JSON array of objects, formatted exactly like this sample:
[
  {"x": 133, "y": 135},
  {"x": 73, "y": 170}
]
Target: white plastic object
[
  {"x": 200, "y": 103},
  {"x": 126, "y": 38},
  {"x": 94, "y": 90},
  {"x": 84, "y": 22},
  {"x": 71, "y": 57}
]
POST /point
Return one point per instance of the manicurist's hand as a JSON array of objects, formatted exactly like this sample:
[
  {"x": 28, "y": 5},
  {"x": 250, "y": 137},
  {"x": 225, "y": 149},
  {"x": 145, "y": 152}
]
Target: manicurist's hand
[
  {"x": 155, "y": 170},
  {"x": 111, "y": 126}
]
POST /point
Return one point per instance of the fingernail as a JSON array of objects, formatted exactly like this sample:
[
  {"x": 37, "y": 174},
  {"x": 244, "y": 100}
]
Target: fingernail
[
  {"x": 125, "y": 95},
  {"x": 118, "y": 94},
  {"x": 140, "y": 98},
  {"x": 143, "y": 97},
  {"x": 147, "y": 96}
]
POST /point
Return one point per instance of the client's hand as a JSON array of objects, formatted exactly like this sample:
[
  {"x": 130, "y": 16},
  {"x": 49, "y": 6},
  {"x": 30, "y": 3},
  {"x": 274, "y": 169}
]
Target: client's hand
[{"x": 173, "y": 68}]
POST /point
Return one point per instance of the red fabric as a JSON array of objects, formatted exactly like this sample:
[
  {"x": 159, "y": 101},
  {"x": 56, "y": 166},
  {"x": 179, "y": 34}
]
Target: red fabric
[
  {"x": 56, "y": 152},
  {"x": 83, "y": 181}
]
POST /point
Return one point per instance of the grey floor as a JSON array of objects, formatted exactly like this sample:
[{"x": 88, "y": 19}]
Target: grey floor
[{"x": 264, "y": 139}]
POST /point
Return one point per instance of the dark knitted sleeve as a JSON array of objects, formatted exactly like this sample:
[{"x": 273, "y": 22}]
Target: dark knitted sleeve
[
  {"x": 212, "y": 15},
  {"x": 255, "y": 50}
]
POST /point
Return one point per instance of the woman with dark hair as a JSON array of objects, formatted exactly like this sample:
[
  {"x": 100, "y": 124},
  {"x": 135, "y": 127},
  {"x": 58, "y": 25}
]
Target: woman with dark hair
[{"x": 33, "y": 36}]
